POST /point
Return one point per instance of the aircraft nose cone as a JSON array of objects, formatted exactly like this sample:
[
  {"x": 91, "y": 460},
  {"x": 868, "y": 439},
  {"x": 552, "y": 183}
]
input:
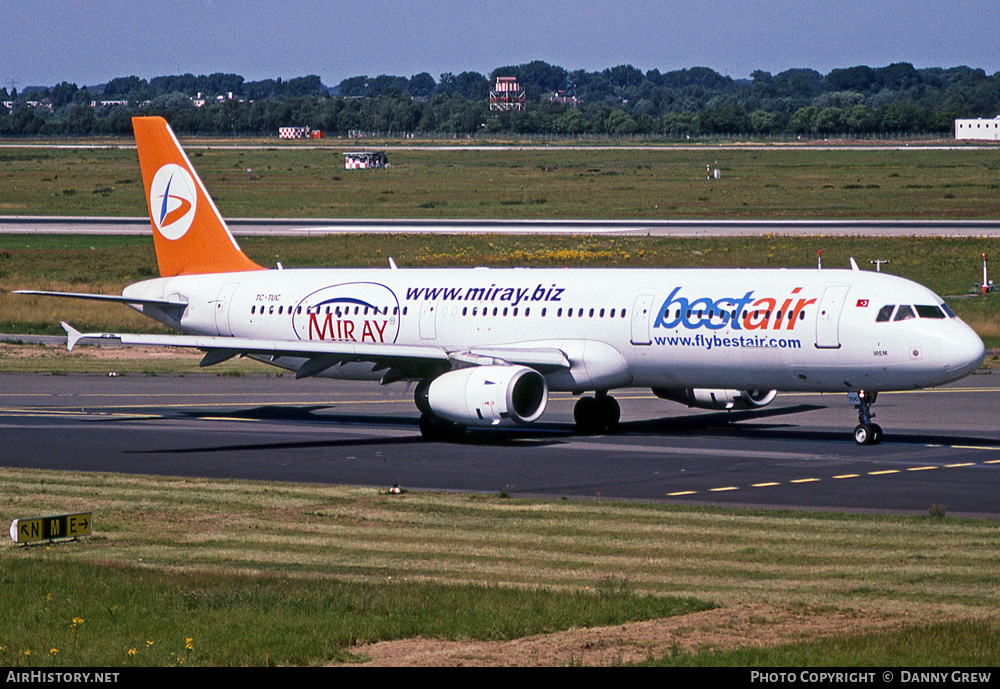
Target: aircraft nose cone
[{"x": 964, "y": 353}]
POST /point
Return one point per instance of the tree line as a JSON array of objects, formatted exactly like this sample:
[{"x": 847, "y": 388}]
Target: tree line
[{"x": 621, "y": 100}]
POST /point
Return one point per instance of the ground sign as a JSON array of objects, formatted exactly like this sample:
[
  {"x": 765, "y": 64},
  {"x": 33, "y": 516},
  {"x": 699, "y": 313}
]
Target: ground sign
[{"x": 51, "y": 528}]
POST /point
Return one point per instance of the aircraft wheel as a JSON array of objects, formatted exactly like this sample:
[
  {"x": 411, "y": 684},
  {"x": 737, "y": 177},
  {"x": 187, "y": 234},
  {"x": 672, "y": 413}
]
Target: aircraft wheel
[
  {"x": 865, "y": 434},
  {"x": 586, "y": 415},
  {"x": 610, "y": 412},
  {"x": 438, "y": 430},
  {"x": 600, "y": 415},
  {"x": 876, "y": 434}
]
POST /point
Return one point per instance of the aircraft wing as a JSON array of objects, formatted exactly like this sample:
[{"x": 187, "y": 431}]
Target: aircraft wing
[{"x": 400, "y": 361}]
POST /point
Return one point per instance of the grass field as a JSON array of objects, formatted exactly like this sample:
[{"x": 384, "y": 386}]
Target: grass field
[
  {"x": 219, "y": 572},
  {"x": 106, "y": 264},
  {"x": 782, "y": 183}
]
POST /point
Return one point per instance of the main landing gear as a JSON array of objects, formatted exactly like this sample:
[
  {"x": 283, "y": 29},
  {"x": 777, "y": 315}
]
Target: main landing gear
[
  {"x": 439, "y": 430},
  {"x": 598, "y": 414},
  {"x": 866, "y": 432}
]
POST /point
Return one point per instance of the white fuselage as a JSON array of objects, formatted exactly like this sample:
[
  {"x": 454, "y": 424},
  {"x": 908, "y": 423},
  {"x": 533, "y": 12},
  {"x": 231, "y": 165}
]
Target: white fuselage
[{"x": 660, "y": 328}]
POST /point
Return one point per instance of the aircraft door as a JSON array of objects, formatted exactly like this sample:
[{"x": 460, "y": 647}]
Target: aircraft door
[
  {"x": 428, "y": 326},
  {"x": 222, "y": 309},
  {"x": 828, "y": 317},
  {"x": 640, "y": 319}
]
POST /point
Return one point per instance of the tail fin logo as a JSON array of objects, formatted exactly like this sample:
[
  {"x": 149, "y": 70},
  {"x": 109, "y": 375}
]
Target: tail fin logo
[{"x": 173, "y": 198}]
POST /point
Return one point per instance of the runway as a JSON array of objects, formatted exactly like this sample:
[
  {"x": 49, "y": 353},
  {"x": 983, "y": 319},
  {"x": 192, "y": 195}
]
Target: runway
[
  {"x": 317, "y": 227},
  {"x": 941, "y": 447}
]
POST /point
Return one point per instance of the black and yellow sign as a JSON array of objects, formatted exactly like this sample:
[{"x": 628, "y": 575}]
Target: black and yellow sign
[{"x": 51, "y": 528}]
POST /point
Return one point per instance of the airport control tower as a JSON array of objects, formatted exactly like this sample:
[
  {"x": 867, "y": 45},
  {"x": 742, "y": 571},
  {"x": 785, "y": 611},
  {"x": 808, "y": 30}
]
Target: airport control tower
[{"x": 506, "y": 95}]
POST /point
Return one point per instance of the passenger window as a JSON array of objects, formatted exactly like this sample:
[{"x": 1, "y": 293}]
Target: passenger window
[
  {"x": 929, "y": 311},
  {"x": 904, "y": 313},
  {"x": 885, "y": 313}
]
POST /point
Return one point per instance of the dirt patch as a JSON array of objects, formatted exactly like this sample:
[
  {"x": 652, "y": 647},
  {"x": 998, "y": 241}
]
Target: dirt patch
[
  {"x": 755, "y": 625},
  {"x": 28, "y": 351}
]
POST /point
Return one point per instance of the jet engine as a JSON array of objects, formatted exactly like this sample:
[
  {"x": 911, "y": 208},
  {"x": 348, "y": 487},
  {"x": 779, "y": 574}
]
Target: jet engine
[
  {"x": 705, "y": 398},
  {"x": 485, "y": 396}
]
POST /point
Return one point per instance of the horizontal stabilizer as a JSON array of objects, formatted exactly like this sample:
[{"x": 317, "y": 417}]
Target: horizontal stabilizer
[
  {"x": 115, "y": 298},
  {"x": 72, "y": 335}
]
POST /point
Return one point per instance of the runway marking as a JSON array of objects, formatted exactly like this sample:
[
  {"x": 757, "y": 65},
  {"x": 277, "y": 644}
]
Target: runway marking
[
  {"x": 70, "y": 412},
  {"x": 881, "y": 472},
  {"x": 43, "y": 412}
]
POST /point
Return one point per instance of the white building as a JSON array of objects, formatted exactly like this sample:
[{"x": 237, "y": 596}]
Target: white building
[{"x": 983, "y": 130}]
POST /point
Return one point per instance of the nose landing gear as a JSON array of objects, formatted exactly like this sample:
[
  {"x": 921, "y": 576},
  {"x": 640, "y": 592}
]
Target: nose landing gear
[{"x": 866, "y": 432}]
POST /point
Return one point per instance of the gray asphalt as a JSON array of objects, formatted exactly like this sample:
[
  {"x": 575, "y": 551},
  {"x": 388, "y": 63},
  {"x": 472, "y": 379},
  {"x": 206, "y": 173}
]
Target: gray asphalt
[{"x": 941, "y": 447}]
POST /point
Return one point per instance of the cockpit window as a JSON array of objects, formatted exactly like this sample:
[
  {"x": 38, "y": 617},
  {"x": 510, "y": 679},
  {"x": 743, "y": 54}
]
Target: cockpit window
[
  {"x": 951, "y": 314},
  {"x": 904, "y": 313},
  {"x": 929, "y": 311},
  {"x": 885, "y": 313}
]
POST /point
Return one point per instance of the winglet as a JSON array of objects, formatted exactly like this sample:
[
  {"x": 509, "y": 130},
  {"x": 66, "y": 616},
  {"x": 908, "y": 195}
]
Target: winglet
[{"x": 189, "y": 233}]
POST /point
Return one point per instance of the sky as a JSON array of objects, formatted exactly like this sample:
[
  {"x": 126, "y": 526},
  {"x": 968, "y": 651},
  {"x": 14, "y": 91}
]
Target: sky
[{"x": 87, "y": 42}]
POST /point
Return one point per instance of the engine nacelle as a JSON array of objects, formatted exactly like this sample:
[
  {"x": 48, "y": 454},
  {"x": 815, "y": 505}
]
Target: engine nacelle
[
  {"x": 704, "y": 398},
  {"x": 486, "y": 396}
]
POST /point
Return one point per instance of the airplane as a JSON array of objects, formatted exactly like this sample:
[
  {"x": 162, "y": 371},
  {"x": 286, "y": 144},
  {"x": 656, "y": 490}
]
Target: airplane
[{"x": 485, "y": 346}]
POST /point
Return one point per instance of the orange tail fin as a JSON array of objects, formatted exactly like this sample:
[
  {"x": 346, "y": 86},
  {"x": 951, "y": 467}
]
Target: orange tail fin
[{"x": 189, "y": 234}]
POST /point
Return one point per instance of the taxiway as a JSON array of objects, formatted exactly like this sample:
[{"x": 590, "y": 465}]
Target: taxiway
[{"x": 941, "y": 447}]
